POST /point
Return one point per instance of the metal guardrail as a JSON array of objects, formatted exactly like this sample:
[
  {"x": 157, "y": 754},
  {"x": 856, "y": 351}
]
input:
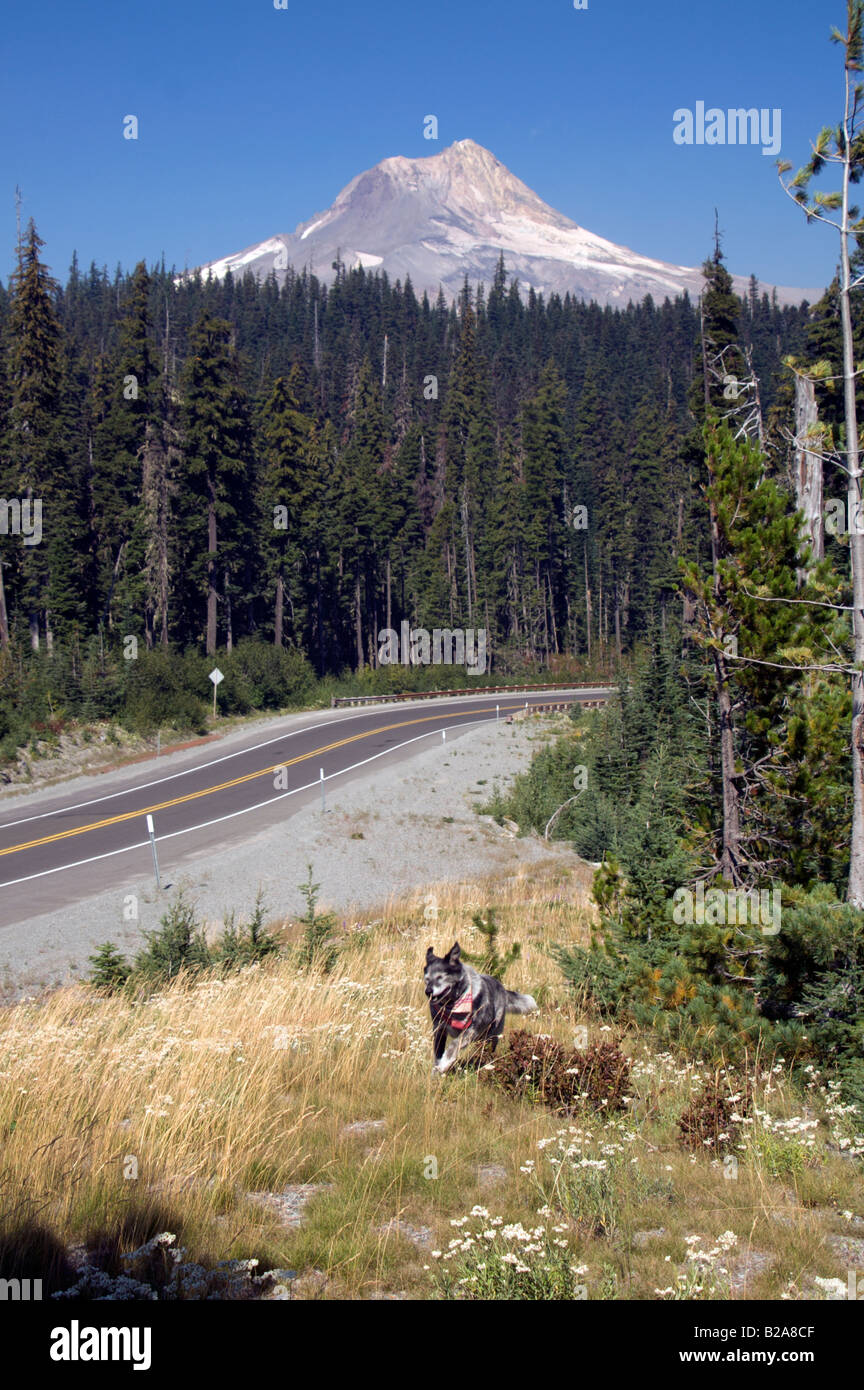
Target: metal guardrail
[
  {"x": 336, "y": 701},
  {"x": 561, "y": 706}
]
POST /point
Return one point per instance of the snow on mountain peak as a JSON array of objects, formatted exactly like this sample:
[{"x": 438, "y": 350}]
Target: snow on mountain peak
[{"x": 441, "y": 217}]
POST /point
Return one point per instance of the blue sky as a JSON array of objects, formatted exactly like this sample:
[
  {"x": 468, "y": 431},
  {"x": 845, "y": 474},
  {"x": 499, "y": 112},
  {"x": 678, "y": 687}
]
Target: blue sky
[{"x": 251, "y": 118}]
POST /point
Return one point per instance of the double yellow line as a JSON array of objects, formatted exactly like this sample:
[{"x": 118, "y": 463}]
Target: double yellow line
[{"x": 235, "y": 782}]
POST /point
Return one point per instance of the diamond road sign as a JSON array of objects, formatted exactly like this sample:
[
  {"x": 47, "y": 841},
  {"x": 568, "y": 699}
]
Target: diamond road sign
[{"x": 216, "y": 676}]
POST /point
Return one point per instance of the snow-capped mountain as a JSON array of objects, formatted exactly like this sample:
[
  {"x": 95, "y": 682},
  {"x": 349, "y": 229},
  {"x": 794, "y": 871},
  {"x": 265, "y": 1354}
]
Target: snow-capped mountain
[{"x": 452, "y": 214}]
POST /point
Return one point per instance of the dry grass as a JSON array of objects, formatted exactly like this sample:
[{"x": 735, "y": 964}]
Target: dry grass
[{"x": 213, "y": 1091}]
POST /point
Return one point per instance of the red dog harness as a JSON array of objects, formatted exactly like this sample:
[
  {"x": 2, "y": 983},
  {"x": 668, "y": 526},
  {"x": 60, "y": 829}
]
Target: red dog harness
[{"x": 462, "y": 1012}]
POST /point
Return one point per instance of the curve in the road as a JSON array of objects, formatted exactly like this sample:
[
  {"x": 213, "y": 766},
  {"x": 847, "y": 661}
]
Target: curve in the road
[{"x": 46, "y": 855}]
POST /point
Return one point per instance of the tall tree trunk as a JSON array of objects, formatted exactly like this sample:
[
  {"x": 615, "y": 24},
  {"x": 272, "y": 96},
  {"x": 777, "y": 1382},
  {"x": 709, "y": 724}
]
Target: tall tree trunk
[
  {"x": 279, "y": 614},
  {"x": 552, "y": 614},
  {"x": 229, "y": 624},
  {"x": 107, "y": 616},
  {"x": 470, "y": 582},
  {"x": 587, "y": 601},
  {"x": 319, "y": 616},
  {"x": 154, "y": 495},
  {"x": 540, "y": 597},
  {"x": 450, "y": 580},
  {"x": 808, "y": 466},
  {"x": 4, "y": 617},
  {"x": 211, "y": 568},
  {"x": 358, "y": 621},
  {"x": 730, "y": 856},
  {"x": 856, "y": 544}
]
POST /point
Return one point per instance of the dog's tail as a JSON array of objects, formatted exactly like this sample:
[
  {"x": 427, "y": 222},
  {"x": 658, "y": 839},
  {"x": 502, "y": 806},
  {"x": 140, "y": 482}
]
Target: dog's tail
[{"x": 519, "y": 1003}]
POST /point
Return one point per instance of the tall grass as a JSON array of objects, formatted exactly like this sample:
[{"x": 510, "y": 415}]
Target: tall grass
[{"x": 120, "y": 1118}]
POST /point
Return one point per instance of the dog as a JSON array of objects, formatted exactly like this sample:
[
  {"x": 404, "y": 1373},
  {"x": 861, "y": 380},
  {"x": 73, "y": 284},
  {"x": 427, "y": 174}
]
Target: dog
[{"x": 466, "y": 1007}]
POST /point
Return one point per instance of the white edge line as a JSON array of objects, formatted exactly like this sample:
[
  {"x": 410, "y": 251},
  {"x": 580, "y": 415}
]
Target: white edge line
[
  {"x": 169, "y": 777},
  {"x": 189, "y": 829},
  {"x": 238, "y": 753}
]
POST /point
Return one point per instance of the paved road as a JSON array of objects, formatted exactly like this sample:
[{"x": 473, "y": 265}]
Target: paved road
[{"x": 72, "y": 846}]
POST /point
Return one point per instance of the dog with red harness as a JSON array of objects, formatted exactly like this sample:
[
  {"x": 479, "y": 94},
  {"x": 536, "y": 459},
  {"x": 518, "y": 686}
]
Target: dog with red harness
[{"x": 466, "y": 1007}]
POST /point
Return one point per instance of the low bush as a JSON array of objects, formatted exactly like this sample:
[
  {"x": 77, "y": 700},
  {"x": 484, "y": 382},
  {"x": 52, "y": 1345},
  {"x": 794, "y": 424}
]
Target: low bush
[
  {"x": 715, "y": 1117},
  {"x": 566, "y": 1079},
  {"x": 180, "y": 944}
]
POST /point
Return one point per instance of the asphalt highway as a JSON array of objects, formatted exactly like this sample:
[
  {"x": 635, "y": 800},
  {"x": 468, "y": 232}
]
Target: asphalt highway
[{"x": 73, "y": 846}]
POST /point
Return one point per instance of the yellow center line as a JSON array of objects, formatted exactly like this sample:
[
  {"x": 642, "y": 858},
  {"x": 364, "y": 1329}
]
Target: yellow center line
[{"x": 235, "y": 782}]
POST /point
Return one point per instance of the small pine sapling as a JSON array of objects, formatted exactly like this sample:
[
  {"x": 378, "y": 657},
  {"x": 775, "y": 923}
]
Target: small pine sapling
[
  {"x": 248, "y": 943},
  {"x": 488, "y": 961},
  {"x": 316, "y": 949},
  {"x": 110, "y": 970}
]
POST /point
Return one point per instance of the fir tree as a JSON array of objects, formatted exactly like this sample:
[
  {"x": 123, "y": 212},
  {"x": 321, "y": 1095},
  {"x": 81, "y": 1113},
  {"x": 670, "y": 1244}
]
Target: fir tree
[{"x": 216, "y": 472}]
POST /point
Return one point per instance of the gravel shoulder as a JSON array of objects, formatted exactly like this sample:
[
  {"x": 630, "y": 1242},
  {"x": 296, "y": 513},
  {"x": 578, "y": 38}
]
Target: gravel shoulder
[{"x": 392, "y": 833}]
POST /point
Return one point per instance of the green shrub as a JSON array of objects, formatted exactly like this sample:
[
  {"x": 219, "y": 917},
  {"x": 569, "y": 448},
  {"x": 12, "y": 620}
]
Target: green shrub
[
  {"x": 813, "y": 971},
  {"x": 778, "y": 1155},
  {"x": 165, "y": 691},
  {"x": 261, "y": 676}
]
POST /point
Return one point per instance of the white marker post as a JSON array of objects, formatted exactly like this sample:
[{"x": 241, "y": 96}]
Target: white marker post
[
  {"x": 321, "y": 774},
  {"x": 497, "y": 708},
  {"x": 152, "y": 834},
  {"x": 217, "y": 678},
  {"x": 443, "y": 735}
]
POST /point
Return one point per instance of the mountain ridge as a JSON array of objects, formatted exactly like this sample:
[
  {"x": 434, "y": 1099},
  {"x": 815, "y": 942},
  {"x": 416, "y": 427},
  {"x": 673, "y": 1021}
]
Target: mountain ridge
[{"x": 442, "y": 217}]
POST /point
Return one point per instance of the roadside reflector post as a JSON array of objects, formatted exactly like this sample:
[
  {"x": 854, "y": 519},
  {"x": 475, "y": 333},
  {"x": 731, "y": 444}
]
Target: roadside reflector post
[
  {"x": 497, "y": 709},
  {"x": 443, "y": 735},
  {"x": 323, "y": 807},
  {"x": 152, "y": 834}
]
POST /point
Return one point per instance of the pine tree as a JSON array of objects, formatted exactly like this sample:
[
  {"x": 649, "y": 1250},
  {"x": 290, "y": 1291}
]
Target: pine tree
[
  {"x": 125, "y": 404},
  {"x": 285, "y": 432},
  {"x": 844, "y": 146},
  {"x": 756, "y": 627},
  {"x": 541, "y": 508},
  {"x": 41, "y": 470},
  {"x": 361, "y": 514},
  {"x": 488, "y": 961},
  {"x": 218, "y": 526},
  {"x": 469, "y": 470}
]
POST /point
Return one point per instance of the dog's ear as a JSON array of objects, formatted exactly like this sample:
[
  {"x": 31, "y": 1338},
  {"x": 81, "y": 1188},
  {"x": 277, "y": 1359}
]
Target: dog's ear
[
  {"x": 430, "y": 956},
  {"x": 455, "y": 952}
]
